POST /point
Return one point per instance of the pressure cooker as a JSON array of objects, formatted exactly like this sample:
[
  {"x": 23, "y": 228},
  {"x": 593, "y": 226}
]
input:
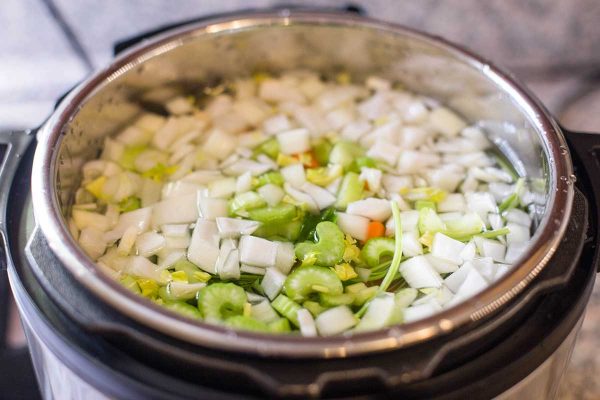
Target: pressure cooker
[{"x": 91, "y": 338}]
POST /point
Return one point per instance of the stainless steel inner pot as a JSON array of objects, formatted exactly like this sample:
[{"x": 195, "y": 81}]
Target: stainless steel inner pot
[{"x": 204, "y": 53}]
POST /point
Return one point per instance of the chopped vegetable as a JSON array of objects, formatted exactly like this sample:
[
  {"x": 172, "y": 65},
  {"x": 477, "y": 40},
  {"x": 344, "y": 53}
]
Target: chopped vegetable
[{"x": 291, "y": 204}]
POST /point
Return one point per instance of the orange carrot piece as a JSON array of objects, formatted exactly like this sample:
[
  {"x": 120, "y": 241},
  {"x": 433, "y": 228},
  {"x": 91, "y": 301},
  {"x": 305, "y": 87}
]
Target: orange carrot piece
[{"x": 375, "y": 229}]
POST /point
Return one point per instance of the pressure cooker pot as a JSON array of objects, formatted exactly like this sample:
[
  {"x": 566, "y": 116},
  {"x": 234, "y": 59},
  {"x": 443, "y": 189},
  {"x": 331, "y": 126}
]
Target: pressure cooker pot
[{"x": 88, "y": 334}]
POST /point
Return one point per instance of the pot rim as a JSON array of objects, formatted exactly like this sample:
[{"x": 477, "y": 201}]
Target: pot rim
[{"x": 544, "y": 242}]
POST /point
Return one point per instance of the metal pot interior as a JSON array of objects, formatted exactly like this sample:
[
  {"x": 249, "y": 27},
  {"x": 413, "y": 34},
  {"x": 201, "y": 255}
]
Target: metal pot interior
[{"x": 191, "y": 58}]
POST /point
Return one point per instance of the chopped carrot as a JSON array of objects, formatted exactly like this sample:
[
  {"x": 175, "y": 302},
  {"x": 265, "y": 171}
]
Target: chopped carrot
[{"x": 375, "y": 229}]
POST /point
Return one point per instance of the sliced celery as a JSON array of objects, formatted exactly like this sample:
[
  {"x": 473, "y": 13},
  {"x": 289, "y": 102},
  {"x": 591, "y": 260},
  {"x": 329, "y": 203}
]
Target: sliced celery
[
  {"x": 286, "y": 307},
  {"x": 269, "y": 147},
  {"x": 305, "y": 280},
  {"x": 351, "y": 189},
  {"x": 269, "y": 177},
  {"x": 377, "y": 249},
  {"x": 329, "y": 248},
  {"x": 183, "y": 308},
  {"x": 246, "y": 201},
  {"x": 322, "y": 151},
  {"x": 220, "y": 301},
  {"x": 130, "y": 203},
  {"x": 344, "y": 153},
  {"x": 246, "y": 323},
  {"x": 279, "y": 214}
]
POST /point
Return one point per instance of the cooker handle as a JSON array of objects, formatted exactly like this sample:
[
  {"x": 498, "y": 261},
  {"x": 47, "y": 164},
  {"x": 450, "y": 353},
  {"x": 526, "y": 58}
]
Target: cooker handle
[
  {"x": 585, "y": 150},
  {"x": 13, "y": 144},
  {"x": 124, "y": 44}
]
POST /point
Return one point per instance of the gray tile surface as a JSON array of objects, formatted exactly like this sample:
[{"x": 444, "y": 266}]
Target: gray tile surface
[
  {"x": 36, "y": 63},
  {"x": 552, "y": 44}
]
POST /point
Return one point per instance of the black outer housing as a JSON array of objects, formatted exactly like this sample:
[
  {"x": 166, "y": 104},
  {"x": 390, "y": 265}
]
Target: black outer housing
[{"x": 126, "y": 360}]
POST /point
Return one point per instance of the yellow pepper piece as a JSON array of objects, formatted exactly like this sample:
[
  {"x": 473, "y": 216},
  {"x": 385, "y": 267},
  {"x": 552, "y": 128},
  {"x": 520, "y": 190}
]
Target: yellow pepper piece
[
  {"x": 344, "y": 271},
  {"x": 343, "y": 78},
  {"x": 95, "y": 187},
  {"x": 324, "y": 176},
  {"x": 202, "y": 276},
  {"x": 351, "y": 251},
  {"x": 148, "y": 287},
  {"x": 426, "y": 239},
  {"x": 179, "y": 276}
]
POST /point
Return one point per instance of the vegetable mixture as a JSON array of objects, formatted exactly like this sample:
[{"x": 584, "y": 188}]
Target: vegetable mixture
[{"x": 294, "y": 204}]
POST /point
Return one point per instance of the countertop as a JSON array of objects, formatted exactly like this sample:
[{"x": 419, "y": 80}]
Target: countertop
[{"x": 49, "y": 45}]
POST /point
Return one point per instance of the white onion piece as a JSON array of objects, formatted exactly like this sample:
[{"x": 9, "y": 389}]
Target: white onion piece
[
  {"x": 481, "y": 203},
  {"x": 284, "y": 261},
  {"x": 446, "y": 122},
  {"x": 354, "y": 130},
  {"x": 518, "y": 216},
  {"x": 185, "y": 291},
  {"x": 272, "y": 283},
  {"x": 254, "y": 298},
  {"x": 301, "y": 197},
  {"x": 410, "y": 244},
  {"x": 149, "y": 243},
  {"x": 127, "y": 241},
  {"x": 242, "y": 166},
  {"x": 222, "y": 188},
  {"x": 395, "y": 183},
  {"x": 249, "y": 269},
  {"x": 202, "y": 177},
  {"x": 372, "y": 208},
  {"x": 171, "y": 259},
  {"x": 219, "y": 144},
  {"x": 230, "y": 269},
  {"x": 517, "y": 233},
  {"x": 140, "y": 219},
  {"x": 441, "y": 266},
  {"x": 380, "y": 312},
  {"x": 384, "y": 151},
  {"x": 454, "y": 280},
  {"x": 307, "y": 324},
  {"x": 263, "y": 311},
  {"x": 179, "y": 188},
  {"x": 294, "y": 175},
  {"x": 473, "y": 284},
  {"x": 372, "y": 176},
  {"x": 418, "y": 273},
  {"x": 243, "y": 182},
  {"x": 87, "y": 219},
  {"x": 276, "y": 90},
  {"x": 257, "y": 252},
  {"x": 410, "y": 161},
  {"x": 514, "y": 251},
  {"x": 143, "y": 268},
  {"x": 92, "y": 241},
  {"x": 468, "y": 252},
  {"x": 294, "y": 141},
  {"x": 276, "y": 124},
  {"x": 150, "y": 122},
  {"x": 446, "y": 248},
  {"x": 321, "y": 196},
  {"x": 491, "y": 248},
  {"x": 179, "y": 105},
  {"x": 335, "y": 320},
  {"x": 272, "y": 194},
  {"x": 416, "y": 313},
  {"x": 415, "y": 112},
  {"x": 177, "y": 210},
  {"x": 206, "y": 231},
  {"x": 175, "y": 230},
  {"x": 486, "y": 267},
  {"x": 234, "y": 227},
  {"x": 353, "y": 225},
  {"x": 209, "y": 208}
]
